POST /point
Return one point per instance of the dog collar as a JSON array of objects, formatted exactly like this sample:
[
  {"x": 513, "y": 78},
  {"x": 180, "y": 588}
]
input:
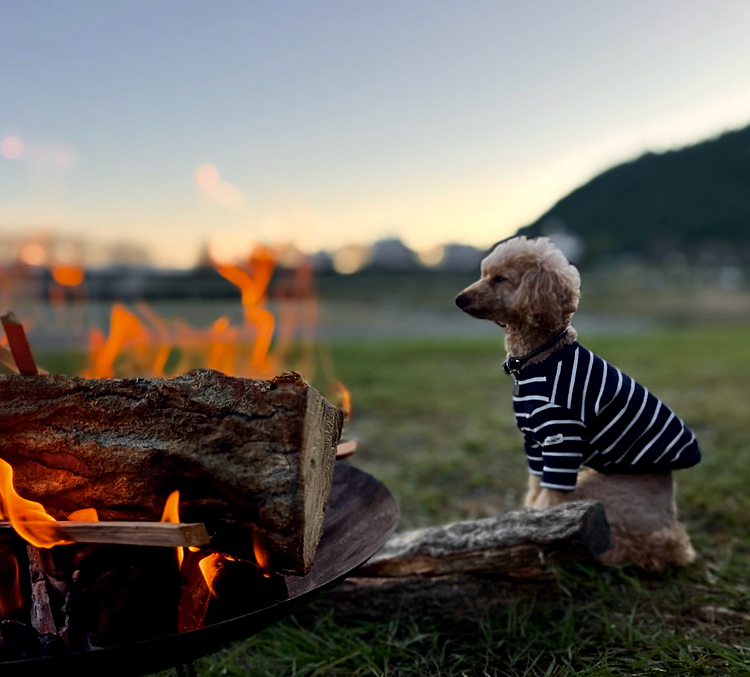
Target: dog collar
[{"x": 514, "y": 364}]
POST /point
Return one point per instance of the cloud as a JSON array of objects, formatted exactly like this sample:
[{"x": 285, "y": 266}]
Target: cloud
[{"x": 208, "y": 179}]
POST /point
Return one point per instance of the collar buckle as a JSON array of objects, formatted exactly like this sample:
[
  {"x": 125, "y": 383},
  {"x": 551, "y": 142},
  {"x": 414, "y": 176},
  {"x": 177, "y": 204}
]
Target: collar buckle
[{"x": 513, "y": 365}]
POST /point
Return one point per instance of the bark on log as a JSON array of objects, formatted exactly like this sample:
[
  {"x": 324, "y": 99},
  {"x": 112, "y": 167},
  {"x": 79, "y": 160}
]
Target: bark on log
[
  {"x": 243, "y": 453},
  {"x": 509, "y": 543},
  {"x": 466, "y": 569}
]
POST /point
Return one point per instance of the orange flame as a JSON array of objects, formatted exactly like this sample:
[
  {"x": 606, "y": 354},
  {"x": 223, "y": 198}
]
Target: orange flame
[
  {"x": 144, "y": 347},
  {"x": 28, "y": 518},
  {"x": 142, "y": 343},
  {"x": 222, "y": 349},
  {"x": 345, "y": 398},
  {"x": 261, "y": 553},
  {"x": 84, "y": 515},
  {"x": 171, "y": 514},
  {"x": 210, "y": 567},
  {"x": 125, "y": 328},
  {"x": 258, "y": 319}
]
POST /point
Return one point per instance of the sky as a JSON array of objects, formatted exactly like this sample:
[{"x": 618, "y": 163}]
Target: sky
[{"x": 172, "y": 125}]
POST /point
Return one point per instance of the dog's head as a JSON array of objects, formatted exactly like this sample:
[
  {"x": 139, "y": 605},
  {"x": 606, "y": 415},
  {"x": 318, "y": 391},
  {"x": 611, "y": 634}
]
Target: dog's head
[{"x": 524, "y": 282}]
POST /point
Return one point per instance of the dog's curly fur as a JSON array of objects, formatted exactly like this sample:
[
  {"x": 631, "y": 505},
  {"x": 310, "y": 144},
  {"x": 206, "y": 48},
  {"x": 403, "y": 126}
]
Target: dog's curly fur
[{"x": 528, "y": 287}]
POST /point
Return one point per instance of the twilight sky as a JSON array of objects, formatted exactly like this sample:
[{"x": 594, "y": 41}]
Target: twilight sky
[{"x": 171, "y": 124}]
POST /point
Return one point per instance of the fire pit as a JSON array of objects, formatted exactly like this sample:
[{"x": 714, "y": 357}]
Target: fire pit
[
  {"x": 171, "y": 497},
  {"x": 360, "y": 516}
]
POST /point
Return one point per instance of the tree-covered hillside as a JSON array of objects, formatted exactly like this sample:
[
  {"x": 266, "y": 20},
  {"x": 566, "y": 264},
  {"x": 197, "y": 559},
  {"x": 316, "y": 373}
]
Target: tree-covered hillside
[{"x": 696, "y": 199}]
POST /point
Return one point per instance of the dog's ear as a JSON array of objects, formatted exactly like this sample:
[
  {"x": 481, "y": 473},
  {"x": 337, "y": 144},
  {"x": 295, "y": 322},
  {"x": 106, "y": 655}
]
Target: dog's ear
[{"x": 547, "y": 296}]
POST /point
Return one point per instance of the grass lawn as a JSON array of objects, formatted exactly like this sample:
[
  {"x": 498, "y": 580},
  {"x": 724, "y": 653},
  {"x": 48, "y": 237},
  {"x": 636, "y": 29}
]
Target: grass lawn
[{"x": 434, "y": 422}]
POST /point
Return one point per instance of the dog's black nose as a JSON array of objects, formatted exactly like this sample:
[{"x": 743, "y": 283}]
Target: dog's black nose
[{"x": 462, "y": 301}]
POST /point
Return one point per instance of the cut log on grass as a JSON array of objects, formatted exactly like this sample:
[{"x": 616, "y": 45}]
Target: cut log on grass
[
  {"x": 246, "y": 455},
  {"x": 469, "y": 568},
  {"x": 509, "y": 543}
]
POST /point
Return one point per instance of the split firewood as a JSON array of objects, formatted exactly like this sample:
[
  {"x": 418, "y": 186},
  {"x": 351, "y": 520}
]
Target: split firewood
[
  {"x": 18, "y": 357},
  {"x": 469, "y": 568},
  {"x": 7, "y": 360},
  {"x": 248, "y": 456},
  {"x": 19, "y": 345},
  {"x": 158, "y": 534}
]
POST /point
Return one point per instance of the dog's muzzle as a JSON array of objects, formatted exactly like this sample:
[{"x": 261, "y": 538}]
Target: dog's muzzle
[{"x": 463, "y": 301}]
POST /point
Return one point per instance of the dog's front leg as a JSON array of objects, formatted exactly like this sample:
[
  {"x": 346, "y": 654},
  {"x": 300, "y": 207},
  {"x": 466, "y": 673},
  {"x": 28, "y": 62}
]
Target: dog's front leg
[
  {"x": 546, "y": 498},
  {"x": 533, "y": 491}
]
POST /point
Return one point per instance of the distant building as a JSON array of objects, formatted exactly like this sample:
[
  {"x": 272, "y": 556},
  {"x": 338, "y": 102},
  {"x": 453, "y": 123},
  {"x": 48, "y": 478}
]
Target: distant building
[
  {"x": 322, "y": 262},
  {"x": 461, "y": 258},
  {"x": 47, "y": 247},
  {"x": 393, "y": 255}
]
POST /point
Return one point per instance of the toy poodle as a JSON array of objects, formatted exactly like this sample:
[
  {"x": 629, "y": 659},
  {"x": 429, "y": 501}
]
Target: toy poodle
[{"x": 575, "y": 409}]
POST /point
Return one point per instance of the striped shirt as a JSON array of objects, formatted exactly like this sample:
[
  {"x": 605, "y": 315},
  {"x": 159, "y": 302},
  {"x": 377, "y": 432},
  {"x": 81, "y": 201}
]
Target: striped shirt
[{"x": 574, "y": 409}]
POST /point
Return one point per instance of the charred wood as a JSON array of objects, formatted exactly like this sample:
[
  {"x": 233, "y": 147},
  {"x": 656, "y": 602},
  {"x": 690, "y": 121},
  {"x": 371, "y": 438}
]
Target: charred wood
[
  {"x": 122, "y": 594},
  {"x": 42, "y": 618}
]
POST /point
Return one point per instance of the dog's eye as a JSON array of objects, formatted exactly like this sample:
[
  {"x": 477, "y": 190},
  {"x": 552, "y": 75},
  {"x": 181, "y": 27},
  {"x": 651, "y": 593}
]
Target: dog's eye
[{"x": 498, "y": 279}]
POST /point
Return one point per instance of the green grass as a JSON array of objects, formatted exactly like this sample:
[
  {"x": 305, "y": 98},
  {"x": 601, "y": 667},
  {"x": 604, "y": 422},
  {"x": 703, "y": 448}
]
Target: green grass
[{"x": 435, "y": 424}]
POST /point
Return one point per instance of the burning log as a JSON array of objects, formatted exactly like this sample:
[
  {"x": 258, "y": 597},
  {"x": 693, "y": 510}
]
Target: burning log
[
  {"x": 195, "y": 596},
  {"x": 467, "y": 568},
  {"x": 247, "y": 456}
]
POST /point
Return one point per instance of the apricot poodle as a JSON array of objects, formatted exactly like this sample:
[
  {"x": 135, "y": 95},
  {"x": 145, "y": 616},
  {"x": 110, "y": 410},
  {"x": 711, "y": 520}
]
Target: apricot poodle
[{"x": 576, "y": 410}]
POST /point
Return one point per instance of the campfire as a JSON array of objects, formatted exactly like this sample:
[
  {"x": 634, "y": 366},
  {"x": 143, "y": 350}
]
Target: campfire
[{"x": 180, "y": 481}]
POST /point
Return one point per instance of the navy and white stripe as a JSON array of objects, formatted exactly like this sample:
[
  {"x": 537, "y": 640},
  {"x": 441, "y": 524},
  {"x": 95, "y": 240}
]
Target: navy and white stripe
[{"x": 574, "y": 409}]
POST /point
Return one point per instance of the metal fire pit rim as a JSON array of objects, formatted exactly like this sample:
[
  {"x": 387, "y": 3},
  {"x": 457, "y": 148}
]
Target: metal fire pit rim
[{"x": 183, "y": 648}]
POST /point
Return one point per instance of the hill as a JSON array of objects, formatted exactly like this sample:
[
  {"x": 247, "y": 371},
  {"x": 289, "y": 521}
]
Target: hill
[{"x": 695, "y": 199}]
